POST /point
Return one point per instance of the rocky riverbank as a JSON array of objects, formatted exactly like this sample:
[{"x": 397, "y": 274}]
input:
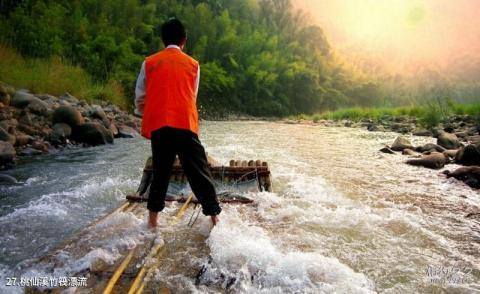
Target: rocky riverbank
[
  {"x": 32, "y": 124},
  {"x": 458, "y": 141}
]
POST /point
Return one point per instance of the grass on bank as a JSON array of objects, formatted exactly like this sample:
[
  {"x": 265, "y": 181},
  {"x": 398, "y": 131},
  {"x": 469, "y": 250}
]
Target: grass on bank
[
  {"x": 56, "y": 76},
  {"x": 429, "y": 115}
]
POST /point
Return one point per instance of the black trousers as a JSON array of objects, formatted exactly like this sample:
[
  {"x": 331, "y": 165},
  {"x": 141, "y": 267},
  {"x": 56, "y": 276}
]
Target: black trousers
[{"x": 168, "y": 142}]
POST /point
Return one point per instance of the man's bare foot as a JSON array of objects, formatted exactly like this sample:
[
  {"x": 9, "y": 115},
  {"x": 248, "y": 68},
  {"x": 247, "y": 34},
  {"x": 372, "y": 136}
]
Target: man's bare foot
[
  {"x": 215, "y": 219},
  {"x": 152, "y": 219}
]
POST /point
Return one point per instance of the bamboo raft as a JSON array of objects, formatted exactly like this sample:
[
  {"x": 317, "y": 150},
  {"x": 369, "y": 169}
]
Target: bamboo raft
[{"x": 130, "y": 272}]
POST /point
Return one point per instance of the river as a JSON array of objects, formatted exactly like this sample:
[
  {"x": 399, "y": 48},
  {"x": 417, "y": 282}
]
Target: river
[{"x": 342, "y": 218}]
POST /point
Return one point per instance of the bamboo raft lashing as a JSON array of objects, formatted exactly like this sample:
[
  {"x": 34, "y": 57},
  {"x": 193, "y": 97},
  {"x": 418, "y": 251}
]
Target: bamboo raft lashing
[
  {"x": 124, "y": 276},
  {"x": 238, "y": 171}
]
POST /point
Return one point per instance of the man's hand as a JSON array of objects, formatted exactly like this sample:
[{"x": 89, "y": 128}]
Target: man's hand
[{"x": 215, "y": 219}]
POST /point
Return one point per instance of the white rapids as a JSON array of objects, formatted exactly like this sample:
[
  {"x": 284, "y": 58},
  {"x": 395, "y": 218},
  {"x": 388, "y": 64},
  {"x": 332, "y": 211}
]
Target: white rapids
[{"x": 343, "y": 217}]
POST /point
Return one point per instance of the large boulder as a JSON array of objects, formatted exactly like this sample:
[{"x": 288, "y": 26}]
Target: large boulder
[
  {"x": 6, "y": 137},
  {"x": 435, "y": 161},
  {"x": 68, "y": 115},
  {"x": 470, "y": 155},
  {"x": 92, "y": 133},
  {"x": 401, "y": 143},
  {"x": 448, "y": 141},
  {"x": 7, "y": 154},
  {"x": 21, "y": 99}
]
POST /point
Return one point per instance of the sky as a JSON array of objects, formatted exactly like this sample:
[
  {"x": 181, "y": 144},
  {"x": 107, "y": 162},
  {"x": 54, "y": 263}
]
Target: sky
[{"x": 405, "y": 32}]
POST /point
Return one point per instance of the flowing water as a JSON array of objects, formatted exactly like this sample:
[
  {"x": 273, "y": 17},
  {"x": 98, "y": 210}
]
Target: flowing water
[{"x": 342, "y": 218}]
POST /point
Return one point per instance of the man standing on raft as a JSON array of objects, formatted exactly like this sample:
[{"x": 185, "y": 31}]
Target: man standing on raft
[{"x": 166, "y": 94}]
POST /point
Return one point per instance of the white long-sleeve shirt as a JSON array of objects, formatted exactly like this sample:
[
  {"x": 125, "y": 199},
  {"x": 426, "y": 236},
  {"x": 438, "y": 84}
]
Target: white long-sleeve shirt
[{"x": 140, "y": 86}]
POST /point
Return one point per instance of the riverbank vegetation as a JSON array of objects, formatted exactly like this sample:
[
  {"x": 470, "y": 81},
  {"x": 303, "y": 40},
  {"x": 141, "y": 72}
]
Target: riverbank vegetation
[
  {"x": 429, "y": 114},
  {"x": 258, "y": 57},
  {"x": 55, "y": 75}
]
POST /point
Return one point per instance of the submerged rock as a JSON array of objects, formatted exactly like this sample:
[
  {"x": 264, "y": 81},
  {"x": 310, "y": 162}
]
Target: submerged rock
[
  {"x": 29, "y": 151},
  {"x": 435, "y": 161},
  {"x": 7, "y": 179}
]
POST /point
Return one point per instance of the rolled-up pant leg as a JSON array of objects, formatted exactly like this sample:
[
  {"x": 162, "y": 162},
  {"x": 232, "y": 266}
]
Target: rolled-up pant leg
[
  {"x": 163, "y": 156},
  {"x": 195, "y": 164}
]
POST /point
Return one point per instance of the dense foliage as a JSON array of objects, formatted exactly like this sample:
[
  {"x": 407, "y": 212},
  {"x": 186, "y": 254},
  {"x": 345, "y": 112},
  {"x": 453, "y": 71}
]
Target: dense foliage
[{"x": 257, "y": 57}]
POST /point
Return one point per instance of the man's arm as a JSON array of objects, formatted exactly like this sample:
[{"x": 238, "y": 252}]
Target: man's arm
[
  {"x": 140, "y": 92},
  {"x": 197, "y": 82}
]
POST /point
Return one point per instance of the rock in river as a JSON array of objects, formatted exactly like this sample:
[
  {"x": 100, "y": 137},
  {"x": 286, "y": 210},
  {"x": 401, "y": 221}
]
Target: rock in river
[
  {"x": 435, "y": 161},
  {"x": 7, "y": 179},
  {"x": 126, "y": 132},
  {"x": 429, "y": 147},
  {"x": 469, "y": 155},
  {"x": 448, "y": 141},
  {"x": 92, "y": 133},
  {"x": 469, "y": 175},
  {"x": 387, "y": 150},
  {"x": 401, "y": 143},
  {"x": 61, "y": 131}
]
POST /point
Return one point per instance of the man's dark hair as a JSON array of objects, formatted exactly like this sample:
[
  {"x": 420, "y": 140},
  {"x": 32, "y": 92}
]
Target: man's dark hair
[{"x": 173, "y": 32}]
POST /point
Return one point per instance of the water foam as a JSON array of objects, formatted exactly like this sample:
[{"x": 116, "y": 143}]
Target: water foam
[{"x": 245, "y": 258}]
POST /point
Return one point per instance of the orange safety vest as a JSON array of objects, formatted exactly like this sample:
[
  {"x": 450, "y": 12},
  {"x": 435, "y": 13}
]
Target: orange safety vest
[{"x": 170, "y": 99}]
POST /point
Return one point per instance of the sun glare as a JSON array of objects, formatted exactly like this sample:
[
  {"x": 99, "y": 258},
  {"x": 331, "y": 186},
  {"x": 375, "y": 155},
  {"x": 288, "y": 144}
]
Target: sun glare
[{"x": 400, "y": 30}]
